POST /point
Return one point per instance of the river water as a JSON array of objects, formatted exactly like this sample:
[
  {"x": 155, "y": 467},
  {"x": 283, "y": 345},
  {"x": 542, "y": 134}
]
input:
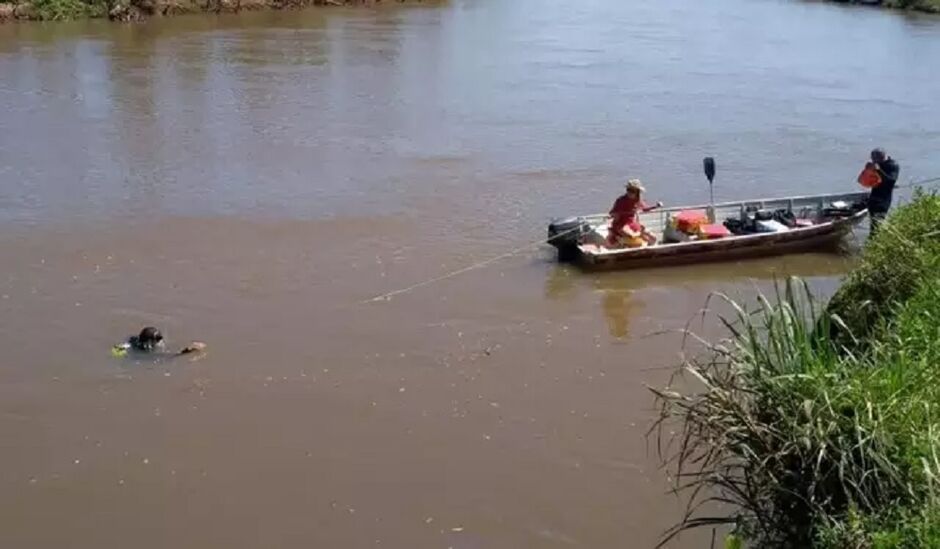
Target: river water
[{"x": 252, "y": 180}]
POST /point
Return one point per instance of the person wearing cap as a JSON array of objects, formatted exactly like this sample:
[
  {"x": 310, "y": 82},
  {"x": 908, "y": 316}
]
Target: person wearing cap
[
  {"x": 879, "y": 200},
  {"x": 625, "y": 220}
]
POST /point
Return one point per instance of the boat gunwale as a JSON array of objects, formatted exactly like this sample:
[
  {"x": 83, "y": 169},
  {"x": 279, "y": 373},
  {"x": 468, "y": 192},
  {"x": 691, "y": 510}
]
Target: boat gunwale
[{"x": 722, "y": 205}]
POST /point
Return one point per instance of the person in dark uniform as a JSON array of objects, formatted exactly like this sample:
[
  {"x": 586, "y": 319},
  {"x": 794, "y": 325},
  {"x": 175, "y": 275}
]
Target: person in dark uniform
[
  {"x": 879, "y": 201},
  {"x": 148, "y": 340}
]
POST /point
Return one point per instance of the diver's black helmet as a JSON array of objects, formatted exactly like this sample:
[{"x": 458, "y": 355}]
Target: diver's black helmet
[{"x": 149, "y": 338}]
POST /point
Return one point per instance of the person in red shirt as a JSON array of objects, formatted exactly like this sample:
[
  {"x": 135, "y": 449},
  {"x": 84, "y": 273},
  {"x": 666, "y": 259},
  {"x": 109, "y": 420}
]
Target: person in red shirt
[{"x": 625, "y": 220}]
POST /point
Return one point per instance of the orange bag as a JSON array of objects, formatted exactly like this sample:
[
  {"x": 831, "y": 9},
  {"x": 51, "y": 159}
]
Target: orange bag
[{"x": 869, "y": 178}]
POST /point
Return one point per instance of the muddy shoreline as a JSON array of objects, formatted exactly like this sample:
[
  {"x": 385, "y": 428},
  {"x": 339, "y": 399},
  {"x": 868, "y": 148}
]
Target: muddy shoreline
[{"x": 138, "y": 10}]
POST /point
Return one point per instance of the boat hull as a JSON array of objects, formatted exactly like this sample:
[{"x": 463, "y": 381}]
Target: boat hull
[{"x": 820, "y": 237}]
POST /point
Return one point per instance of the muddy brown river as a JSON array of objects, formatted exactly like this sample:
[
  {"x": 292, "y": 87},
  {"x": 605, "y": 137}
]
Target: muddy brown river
[{"x": 253, "y": 180}]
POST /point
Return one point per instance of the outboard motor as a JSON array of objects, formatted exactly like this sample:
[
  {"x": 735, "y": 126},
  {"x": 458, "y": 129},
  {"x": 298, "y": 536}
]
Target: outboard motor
[{"x": 565, "y": 234}]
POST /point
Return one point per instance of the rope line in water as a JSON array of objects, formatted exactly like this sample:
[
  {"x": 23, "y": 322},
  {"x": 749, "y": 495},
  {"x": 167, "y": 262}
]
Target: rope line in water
[{"x": 484, "y": 263}]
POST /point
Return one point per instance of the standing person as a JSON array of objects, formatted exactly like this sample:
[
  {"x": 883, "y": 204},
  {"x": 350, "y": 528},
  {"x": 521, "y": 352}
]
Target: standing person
[
  {"x": 626, "y": 222},
  {"x": 879, "y": 201}
]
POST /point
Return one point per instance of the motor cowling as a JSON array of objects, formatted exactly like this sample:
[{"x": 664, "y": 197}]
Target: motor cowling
[
  {"x": 565, "y": 234},
  {"x": 567, "y": 230}
]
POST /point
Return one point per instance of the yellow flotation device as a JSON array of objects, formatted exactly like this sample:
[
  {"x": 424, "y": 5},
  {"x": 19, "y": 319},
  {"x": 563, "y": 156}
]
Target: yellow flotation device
[{"x": 118, "y": 351}]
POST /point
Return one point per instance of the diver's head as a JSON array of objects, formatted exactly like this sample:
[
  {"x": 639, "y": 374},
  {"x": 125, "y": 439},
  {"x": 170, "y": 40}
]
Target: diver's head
[{"x": 149, "y": 339}]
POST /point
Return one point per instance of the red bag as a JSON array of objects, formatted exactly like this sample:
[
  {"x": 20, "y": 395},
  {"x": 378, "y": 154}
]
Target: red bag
[{"x": 709, "y": 232}]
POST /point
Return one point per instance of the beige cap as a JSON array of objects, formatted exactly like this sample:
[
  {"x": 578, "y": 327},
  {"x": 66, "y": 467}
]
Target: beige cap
[{"x": 635, "y": 185}]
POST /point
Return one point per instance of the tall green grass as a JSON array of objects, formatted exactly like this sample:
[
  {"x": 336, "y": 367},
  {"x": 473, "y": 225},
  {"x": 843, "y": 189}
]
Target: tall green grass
[{"x": 820, "y": 426}]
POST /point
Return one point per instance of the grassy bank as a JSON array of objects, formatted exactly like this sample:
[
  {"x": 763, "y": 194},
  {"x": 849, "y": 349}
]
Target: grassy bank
[
  {"x": 932, "y": 6},
  {"x": 820, "y": 426},
  {"x": 929, "y": 6},
  {"x": 132, "y": 10}
]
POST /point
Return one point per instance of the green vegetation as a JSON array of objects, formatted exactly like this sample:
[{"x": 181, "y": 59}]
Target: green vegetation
[
  {"x": 893, "y": 268},
  {"x": 930, "y": 6},
  {"x": 819, "y": 427},
  {"x": 55, "y": 10},
  {"x": 918, "y": 5},
  {"x": 131, "y": 10}
]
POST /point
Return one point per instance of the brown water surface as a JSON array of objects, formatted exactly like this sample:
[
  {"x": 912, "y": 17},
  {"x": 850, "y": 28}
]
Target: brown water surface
[{"x": 252, "y": 180}]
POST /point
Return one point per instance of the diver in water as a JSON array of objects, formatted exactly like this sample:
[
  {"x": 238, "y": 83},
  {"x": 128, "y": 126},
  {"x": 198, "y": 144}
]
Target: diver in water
[{"x": 150, "y": 340}]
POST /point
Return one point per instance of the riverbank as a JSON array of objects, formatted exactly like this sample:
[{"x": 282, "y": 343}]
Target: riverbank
[
  {"x": 819, "y": 425},
  {"x": 136, "y": 10},
  {"x": 927, "y": 6}
]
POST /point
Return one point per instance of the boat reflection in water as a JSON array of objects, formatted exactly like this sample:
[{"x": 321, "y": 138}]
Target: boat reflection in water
[{"x": 658, "y": 296}]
